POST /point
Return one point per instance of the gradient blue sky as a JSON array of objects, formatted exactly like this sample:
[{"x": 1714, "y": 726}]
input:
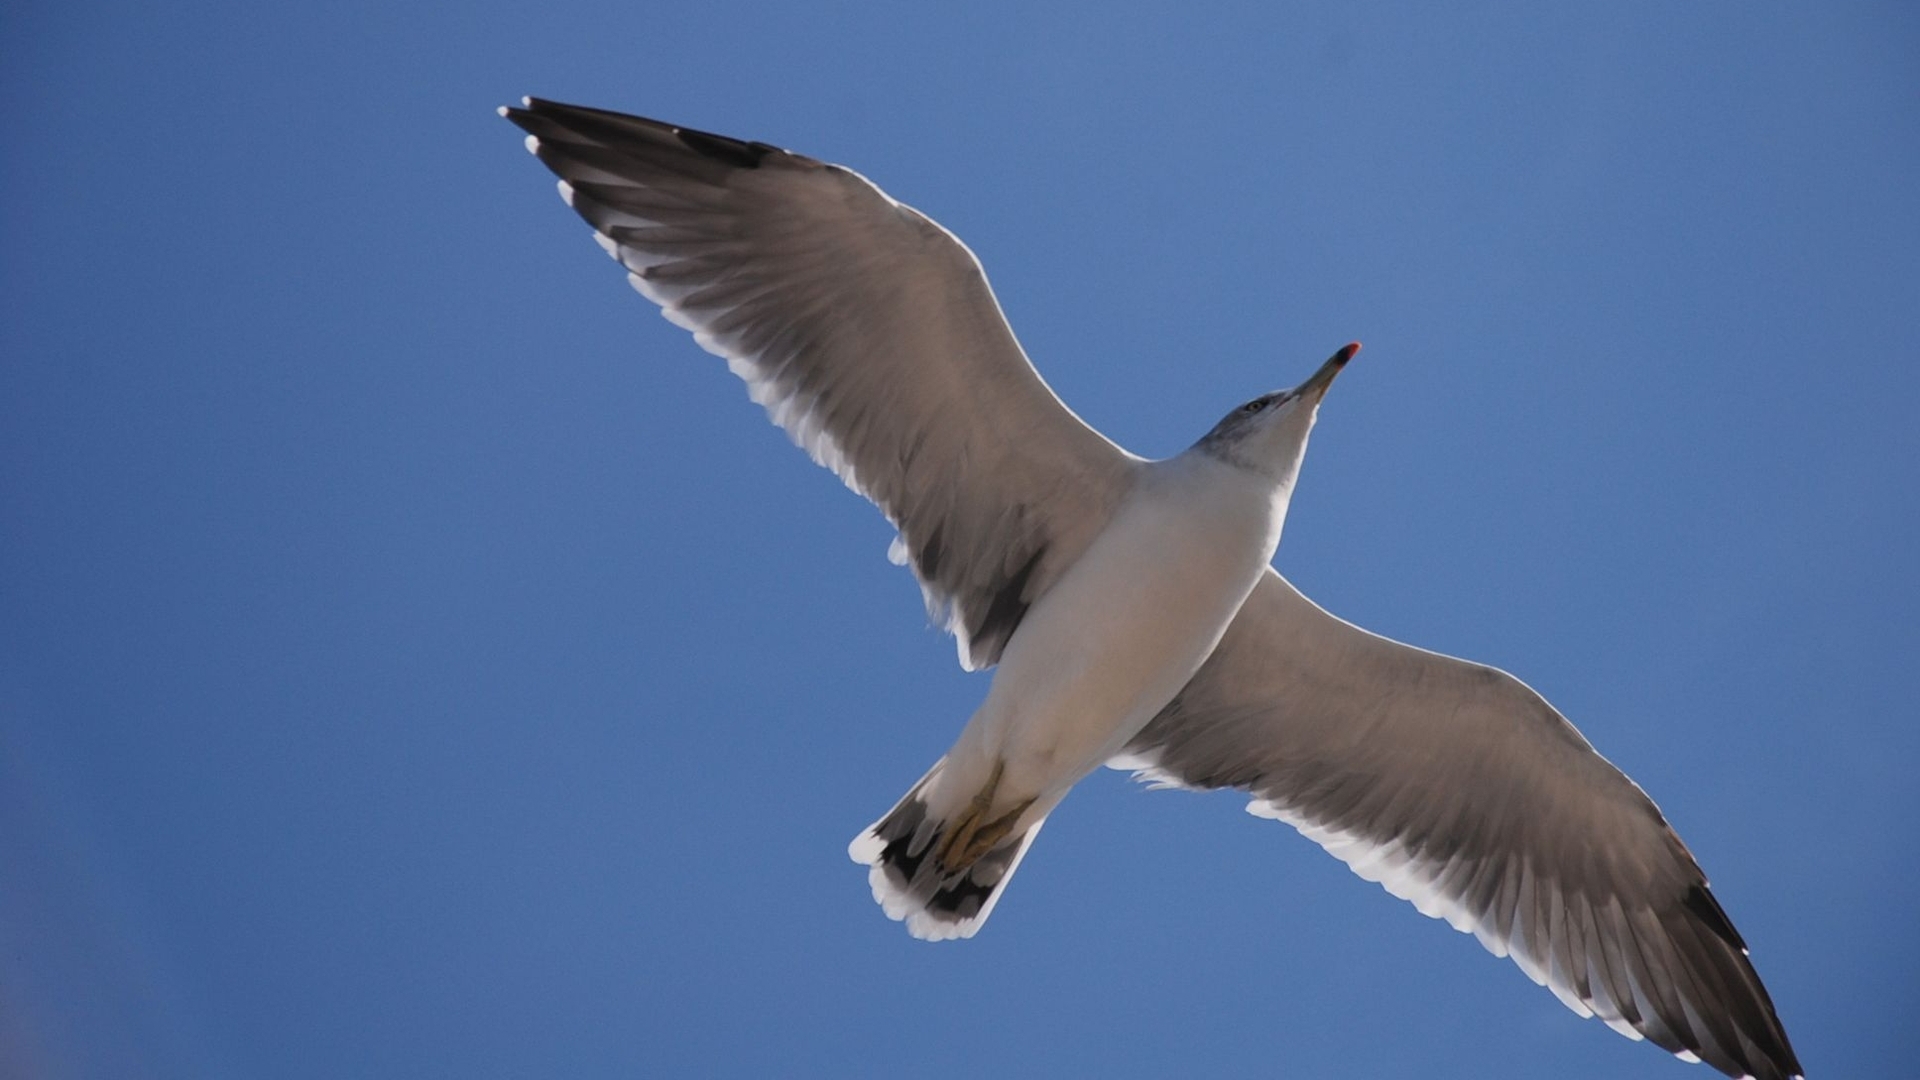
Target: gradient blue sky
[{"x": 418, "y": 659}]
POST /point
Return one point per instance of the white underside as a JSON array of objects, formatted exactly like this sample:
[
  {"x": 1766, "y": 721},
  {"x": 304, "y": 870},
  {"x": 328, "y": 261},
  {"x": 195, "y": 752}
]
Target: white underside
[{"x": 1117, "y": 636}]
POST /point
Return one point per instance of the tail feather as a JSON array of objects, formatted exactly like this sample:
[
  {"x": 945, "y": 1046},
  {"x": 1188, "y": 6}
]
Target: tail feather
[{"x": 911, "y": 883}]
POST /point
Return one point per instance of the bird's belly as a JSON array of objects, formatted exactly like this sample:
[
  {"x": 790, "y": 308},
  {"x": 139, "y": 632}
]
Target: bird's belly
[{"x": 1111, "y": 643}]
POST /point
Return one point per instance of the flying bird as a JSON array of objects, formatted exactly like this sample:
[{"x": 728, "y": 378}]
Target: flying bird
[{"x": 1130, "y": 608}]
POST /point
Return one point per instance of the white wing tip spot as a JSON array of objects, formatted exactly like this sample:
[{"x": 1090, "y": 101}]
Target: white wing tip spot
[
  {"x": 532, "y": 141},
  {"x": 566, "y": 192},
  {"x": 607, "y": 245},
  {"x": 501, "y": 111}
]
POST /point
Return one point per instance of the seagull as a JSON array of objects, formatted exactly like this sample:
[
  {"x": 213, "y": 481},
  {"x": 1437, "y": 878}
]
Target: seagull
[{"x": 1130, "y": 607}]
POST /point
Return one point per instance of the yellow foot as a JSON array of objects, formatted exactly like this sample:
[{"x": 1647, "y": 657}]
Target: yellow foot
[{"x": 971, "y": 835}]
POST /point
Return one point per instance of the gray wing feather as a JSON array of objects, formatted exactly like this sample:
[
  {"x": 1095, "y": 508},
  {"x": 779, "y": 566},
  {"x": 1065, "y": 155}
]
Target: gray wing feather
[
  {"x": 869, "y": 333},
  {"x": 1458, "y": 788}
]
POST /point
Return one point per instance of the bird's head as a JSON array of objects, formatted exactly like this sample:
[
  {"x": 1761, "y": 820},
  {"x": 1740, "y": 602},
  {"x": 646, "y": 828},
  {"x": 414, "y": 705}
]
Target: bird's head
[{"x": 1269, "y": 434}]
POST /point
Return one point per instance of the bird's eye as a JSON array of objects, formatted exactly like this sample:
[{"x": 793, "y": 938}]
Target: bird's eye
[{"x": 1254, "y": 406}]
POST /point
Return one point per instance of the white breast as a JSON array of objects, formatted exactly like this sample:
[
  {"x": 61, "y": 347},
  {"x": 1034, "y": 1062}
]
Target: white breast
[{"x": 1118, "y": 636}]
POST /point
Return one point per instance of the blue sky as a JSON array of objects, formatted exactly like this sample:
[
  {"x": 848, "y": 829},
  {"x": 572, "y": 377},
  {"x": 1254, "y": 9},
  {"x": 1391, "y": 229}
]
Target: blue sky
[{"x": 418, "y": 659}]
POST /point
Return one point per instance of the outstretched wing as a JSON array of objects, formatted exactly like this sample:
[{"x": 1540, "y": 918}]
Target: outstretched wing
[
  {"x": 1456, "y": 787},
  {"x": 869, "y": 333}
]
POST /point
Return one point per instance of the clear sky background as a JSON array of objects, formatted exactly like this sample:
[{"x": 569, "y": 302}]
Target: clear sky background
[{"x": 418, "y": 659}]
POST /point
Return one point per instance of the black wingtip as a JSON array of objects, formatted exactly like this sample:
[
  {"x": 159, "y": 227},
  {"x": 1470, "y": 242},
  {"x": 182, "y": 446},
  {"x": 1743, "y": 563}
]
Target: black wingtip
[
  {"x": 1705, "y": 908},
  {"x": 1713, "y": 916},
  {"x": 745, "y": 155},
  {"x": 606, "y": 125}
]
